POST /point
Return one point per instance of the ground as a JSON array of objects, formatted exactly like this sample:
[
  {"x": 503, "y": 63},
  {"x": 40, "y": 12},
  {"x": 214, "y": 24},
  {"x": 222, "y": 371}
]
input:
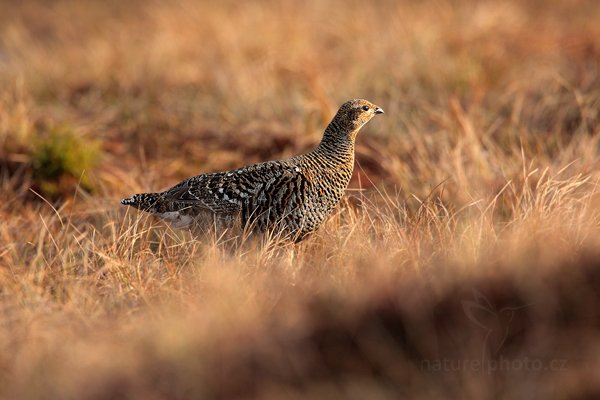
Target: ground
[{"x": 463, "y": 261}]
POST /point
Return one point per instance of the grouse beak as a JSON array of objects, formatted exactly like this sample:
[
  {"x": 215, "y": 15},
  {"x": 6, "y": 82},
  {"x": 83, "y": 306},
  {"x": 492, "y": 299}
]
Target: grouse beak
[{"x": 378, "y": 110}]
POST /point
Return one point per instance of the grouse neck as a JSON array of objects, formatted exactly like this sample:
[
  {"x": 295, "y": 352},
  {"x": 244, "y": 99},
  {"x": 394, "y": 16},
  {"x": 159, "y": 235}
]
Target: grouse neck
[{"x": 337, "y": 140}]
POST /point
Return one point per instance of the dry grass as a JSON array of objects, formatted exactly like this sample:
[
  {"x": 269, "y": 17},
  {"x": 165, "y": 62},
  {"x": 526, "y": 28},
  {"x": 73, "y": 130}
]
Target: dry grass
[{"x": 470, "y": 233}]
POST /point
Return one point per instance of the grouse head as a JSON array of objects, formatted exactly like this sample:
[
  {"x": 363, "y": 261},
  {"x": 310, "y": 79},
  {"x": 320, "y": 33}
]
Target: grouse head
[{"x": 351, "y": 116}]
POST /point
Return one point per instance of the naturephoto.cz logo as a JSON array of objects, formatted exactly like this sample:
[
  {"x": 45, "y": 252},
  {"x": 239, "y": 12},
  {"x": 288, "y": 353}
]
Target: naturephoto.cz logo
[
  {"x": 493, "y": 365},
  {"x": 495, "y": 324}
]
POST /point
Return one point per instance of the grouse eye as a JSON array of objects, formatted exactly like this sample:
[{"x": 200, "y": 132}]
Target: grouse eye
[{"x": 365, "y": 108}]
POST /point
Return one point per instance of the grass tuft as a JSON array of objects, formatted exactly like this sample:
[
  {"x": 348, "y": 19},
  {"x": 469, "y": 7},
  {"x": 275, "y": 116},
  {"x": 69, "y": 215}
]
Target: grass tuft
[{"x": 61, "y": 159}]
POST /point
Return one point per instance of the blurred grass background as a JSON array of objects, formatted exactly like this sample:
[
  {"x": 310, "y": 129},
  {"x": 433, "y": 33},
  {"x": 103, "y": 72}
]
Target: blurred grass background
[{"x": 480, "y": 178}]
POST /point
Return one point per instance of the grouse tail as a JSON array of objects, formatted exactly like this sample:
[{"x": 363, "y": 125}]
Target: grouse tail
[{"x": 142, "y": 201}]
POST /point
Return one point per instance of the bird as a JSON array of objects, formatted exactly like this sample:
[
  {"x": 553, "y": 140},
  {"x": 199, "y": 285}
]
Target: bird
[{"x": 291, "y": 198}]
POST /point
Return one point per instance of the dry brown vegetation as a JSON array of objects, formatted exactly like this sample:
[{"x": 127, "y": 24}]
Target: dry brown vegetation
[{"x": 463, "y": 263}]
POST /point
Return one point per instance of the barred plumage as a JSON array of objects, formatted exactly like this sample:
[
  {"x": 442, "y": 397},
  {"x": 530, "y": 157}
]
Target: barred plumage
[{"x": 292, "y": 197}]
